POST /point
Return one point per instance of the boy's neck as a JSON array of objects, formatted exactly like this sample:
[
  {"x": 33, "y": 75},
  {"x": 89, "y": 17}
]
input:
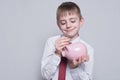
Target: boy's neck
[{"x": 74, "y": 37}]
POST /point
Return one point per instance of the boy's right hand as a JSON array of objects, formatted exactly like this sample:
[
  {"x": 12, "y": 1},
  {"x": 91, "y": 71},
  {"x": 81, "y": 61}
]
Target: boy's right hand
[{"x": 60, "y": 43}]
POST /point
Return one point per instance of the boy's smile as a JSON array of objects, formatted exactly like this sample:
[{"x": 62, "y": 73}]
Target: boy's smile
[{"x": 70, "y": 24}]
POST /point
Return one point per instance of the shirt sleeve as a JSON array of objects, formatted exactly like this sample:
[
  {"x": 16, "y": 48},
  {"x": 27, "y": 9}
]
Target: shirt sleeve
[
  {"x": 50, "y": 61},
  {"x": 85, "y": 70}
]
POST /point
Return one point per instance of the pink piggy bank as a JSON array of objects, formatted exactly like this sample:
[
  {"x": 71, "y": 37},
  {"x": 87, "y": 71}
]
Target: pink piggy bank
[{"x": 74, "y": 51}]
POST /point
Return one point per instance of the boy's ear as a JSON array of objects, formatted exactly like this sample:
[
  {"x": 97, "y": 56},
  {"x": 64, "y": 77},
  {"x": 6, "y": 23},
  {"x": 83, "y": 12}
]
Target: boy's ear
[{"x": 81, "y": 21}]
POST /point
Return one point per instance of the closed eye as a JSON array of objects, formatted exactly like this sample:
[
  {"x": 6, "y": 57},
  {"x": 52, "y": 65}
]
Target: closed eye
[
  {"x": 62, "y": 22},
  {"x": 72, "y": 20}
]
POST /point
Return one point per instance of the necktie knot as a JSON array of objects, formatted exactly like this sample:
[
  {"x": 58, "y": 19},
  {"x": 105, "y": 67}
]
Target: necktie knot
[{"x": 64, "y": 59}]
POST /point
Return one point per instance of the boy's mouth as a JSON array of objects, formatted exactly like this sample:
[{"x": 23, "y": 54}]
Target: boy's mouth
[{"x": 69, "y": 30}]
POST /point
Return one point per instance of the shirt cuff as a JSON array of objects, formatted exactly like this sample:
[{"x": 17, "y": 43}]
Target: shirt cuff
[{"x": 74, "y": 70}]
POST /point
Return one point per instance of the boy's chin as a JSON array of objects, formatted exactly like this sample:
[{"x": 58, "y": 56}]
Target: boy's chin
[{"x": 71, "y": 36}]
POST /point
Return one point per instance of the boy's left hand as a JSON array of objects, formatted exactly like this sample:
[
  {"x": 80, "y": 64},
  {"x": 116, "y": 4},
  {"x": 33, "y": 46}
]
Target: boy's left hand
[{"x": 77, "y": 62}]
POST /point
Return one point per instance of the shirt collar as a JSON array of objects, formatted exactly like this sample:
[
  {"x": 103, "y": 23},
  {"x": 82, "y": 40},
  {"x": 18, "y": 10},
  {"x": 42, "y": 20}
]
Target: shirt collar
[{"x": 76, "y": 40}]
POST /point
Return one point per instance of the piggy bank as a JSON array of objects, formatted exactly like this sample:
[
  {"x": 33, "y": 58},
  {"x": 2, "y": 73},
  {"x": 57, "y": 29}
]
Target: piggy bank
[{"x": 74, "y": 51}]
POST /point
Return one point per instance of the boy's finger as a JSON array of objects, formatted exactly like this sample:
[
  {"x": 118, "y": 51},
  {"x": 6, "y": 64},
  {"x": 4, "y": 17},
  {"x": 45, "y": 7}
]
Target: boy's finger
[
  {"x": 63, "y": 44},
  {"x": 66, "y": 42},
  {"x": 83, "y": 58},
  {"x": 65, "y": 38},
  {"x": 74, "y": 62},
  {"x": 80, "y": 59},
  {"x": 86, "y": 57}
]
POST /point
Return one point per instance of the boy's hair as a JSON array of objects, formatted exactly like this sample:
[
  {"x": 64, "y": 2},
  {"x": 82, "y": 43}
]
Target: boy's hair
[{"x": 68, "y": 8}]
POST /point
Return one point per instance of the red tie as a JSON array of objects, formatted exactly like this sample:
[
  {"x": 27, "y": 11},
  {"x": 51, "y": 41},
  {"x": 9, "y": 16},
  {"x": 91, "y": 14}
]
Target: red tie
[{"x": 62, "y": 69}]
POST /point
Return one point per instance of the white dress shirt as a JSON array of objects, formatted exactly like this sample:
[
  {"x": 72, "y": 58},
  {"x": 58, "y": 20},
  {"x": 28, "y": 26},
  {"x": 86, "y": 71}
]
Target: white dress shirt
[{"x": 50, "y": 63}]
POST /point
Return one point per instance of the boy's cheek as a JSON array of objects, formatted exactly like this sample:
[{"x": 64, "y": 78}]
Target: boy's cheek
[{"x": 62, "y": 28}]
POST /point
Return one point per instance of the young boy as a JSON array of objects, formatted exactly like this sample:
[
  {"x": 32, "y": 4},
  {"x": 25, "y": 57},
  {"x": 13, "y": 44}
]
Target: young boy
[{"x": 69, "y": 20}]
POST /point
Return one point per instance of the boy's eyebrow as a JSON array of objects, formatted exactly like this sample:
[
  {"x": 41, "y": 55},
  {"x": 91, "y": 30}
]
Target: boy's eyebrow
[
  {"x": 61, "y": 20},
  {"x": 73, "y": 18}
]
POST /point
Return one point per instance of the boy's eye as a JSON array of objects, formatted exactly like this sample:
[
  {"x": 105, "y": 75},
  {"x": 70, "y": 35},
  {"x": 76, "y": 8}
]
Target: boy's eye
[
  {"x": 72, "y": 20},
  {"x": 62, "y": 22}
]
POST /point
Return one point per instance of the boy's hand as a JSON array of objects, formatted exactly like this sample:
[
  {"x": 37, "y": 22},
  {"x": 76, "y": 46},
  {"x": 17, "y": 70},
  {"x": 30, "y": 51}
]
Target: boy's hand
[
  {"x": 75, "y": 63},
  {"x": 60, "y": 44}
]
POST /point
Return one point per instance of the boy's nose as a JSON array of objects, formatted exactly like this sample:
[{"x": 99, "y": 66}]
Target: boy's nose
[{"x": 68, "y": 25}]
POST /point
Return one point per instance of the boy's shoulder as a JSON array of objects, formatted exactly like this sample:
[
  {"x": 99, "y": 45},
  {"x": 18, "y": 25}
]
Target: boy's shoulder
[{"x": 53, "y": 38}]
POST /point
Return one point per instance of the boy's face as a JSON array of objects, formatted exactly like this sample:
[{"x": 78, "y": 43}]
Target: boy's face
[{"x": 70, "y": 25}]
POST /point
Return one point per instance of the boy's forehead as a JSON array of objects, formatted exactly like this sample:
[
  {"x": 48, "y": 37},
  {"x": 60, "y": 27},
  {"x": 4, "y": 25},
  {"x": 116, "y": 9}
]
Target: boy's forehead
[{"x": 66, "y": 14}]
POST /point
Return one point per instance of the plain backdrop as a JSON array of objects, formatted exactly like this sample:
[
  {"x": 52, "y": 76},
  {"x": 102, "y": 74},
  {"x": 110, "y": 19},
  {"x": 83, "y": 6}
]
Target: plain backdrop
[{"x": 25, "y": 26}]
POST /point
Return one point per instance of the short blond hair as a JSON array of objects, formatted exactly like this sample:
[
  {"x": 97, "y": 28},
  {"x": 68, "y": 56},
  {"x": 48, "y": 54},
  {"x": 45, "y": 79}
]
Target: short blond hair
[{"x": 68, "y": 8}]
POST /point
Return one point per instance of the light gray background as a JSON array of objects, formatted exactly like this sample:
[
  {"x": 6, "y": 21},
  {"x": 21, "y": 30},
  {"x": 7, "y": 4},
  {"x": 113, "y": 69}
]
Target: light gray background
[{"x": 25, "y": 25}]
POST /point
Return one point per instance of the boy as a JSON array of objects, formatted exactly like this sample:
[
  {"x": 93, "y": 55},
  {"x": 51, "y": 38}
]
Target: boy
[{"x": 69, "y": 20}]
